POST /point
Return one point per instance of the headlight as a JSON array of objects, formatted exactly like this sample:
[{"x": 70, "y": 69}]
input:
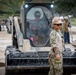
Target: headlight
[
  {"x": 26, "y": 6},
  {"x": 7, "y": 52},
  {"x": 52, "y": 6}
]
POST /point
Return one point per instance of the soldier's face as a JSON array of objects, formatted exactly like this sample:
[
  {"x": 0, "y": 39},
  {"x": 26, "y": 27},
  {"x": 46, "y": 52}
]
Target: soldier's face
[{"x": 57, "y": 26}]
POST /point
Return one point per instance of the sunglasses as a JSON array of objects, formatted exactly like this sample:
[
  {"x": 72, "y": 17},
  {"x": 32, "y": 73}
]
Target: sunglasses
[{"x": 58, "y": 24}]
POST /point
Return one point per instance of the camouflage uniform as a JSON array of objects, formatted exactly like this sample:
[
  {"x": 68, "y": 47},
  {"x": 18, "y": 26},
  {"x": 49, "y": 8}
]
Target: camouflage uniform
[{"x": 56, "y": 67}]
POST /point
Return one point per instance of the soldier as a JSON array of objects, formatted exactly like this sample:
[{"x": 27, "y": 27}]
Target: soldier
[
  {"x": 66, "y": 33},
  {"x": 55, "y": 54}
]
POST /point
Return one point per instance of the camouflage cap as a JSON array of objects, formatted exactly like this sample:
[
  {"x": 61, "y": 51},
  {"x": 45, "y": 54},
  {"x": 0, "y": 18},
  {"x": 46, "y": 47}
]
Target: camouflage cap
[
  {"x": 56, "y": 20},
  {"x": 66, "y": 17},
  {"x": 61, "y": 17}
]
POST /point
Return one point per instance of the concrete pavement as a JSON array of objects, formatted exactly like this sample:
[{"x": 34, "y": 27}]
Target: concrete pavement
[{"x": 5, "y": 40}]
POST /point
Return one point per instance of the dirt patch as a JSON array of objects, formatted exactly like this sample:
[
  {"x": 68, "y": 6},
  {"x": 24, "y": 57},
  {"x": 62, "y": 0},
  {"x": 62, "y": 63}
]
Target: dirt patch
[{"x": 2, "y": 64}]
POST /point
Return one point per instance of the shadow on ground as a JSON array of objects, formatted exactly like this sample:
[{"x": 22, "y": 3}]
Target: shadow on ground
[{"x": 2, "y": 64}]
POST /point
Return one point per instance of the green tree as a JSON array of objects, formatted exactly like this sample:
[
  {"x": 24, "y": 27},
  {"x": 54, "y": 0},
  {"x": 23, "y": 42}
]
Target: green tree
[
  {"x": 10, "y": 5},
  {"x": 65, "y": 6},
  {"x": 61, "y": 6}
]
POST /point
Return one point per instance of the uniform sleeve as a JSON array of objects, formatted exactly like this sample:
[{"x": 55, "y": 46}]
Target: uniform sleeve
[
  {"x": 53, "y": 37},
  {"x": 54, "y": 42}
]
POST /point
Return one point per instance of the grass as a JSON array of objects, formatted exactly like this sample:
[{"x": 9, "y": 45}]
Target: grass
[
  {"x": 5, "y": 16},
  {"x": 73, "y": 21}
]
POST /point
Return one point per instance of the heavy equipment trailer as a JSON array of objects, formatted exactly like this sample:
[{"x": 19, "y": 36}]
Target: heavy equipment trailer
[{"x": 30, "y": 41}]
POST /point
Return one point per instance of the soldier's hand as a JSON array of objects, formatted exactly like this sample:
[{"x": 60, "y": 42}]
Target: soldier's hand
[{"x": 58, "y": 57}]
